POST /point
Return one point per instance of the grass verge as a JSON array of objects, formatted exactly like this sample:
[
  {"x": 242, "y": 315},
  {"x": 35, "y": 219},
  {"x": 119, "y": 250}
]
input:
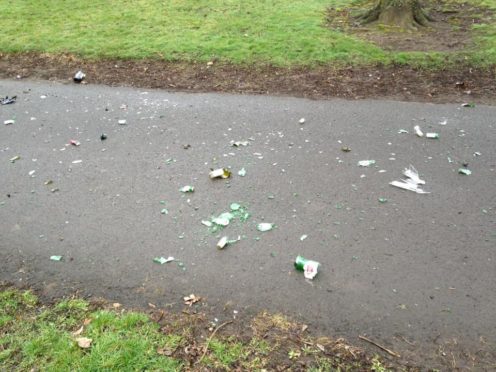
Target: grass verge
[
  {"x": 34, "y": 336},
  {"x": 276, "y": 32}
]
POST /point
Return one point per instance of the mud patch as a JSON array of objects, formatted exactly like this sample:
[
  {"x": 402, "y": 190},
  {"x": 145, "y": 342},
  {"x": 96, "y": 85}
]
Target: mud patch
[{"x": 397, "y": 82}]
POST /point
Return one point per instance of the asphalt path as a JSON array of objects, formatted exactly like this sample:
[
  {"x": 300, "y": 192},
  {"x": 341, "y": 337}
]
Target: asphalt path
[{"x": 418, "y": 267}]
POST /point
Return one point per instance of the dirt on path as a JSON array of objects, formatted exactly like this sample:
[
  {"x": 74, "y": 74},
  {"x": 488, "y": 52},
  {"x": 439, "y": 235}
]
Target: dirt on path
[{"x": 397, "y": 82}]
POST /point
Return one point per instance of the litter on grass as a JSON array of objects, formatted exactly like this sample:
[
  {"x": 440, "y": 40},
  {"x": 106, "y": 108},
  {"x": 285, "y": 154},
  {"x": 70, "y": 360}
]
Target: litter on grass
[
  {"x": 366, "y": 163},
  {"x": 56, "y": 258},
  {"x": 310, "y": 268},
  {"x": 465, "y": 171},
  {"x": 242, "y": 172},
  {"x": 220, "y": 173},
  {"x": 122, "y": 122},
  {"x": 7, "y": 100},
  {"x": 163, "y": 260},
  {"x": 15, "y": 158},
  {"x": 302, "y": 121},
  {"x": 9, "y": 122},
  {"x": 303, "y": 237},
  {"x": 412, "y": 181}
]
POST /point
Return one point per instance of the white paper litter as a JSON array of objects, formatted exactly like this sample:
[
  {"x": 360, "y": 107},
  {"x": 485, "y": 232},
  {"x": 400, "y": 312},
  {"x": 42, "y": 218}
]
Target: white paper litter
[
  {"x": 412, "y": 182},
  {"x": 412, "y": 173}
]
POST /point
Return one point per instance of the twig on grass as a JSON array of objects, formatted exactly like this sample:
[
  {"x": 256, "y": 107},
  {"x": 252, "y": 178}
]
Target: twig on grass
[
  {"x": 210, "y": 339},
  {"x": 380, "y": 346}
]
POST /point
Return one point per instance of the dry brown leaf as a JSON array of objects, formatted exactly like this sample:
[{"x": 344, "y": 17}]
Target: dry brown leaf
[
  {"x": 84, "y": 342},
  {"x": 191, "y": 299},
  {"x": 87, "y": 321},
  {"x": 165, "y": 351},
  {"x": 78, "y": 332}
]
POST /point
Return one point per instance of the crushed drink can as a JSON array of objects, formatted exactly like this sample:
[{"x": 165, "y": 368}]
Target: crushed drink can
[
  {"x": 220, "y": 173},
  {"x": 310, "y": 268},
  {"x": 79, "y": 77}
]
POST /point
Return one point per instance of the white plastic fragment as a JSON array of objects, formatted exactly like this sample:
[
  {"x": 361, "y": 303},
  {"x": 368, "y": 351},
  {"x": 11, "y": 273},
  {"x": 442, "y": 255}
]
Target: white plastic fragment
[
  {"x": 222, "y": 242},
  {"x": 418, "y": 131},
  {"x": 432, "y": 135},
  {"x": 402, "y": 131},
  {"x": 302, "y": 121},
  {"x": 242, "y": 172},
  {"x": 122, "y": 122},
  {"x": 187, "y": 188},
  {"x": 411, "y": 183},
  {"x": 366, "y": 163},
  {"x": 9, "y": 122},
  {"x": 163, "y": 260},
  {"x": 206, "y": 223},
  {"x": 77, "y": 161},
  {"x": 265, "y": 226},
  {"x": 412, "y": 173}
]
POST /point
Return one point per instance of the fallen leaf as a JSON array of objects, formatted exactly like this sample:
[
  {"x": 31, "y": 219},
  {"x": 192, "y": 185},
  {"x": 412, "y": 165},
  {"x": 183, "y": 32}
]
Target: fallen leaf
[
  {"x": 165, "y": 351},
  {"x": 84, "y": 342},
  {"x": 191, "y": 299},
  {"x": 78, "y": 332}
]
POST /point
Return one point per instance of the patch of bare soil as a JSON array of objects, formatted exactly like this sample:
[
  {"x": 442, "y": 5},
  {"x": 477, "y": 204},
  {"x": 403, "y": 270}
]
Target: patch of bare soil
[
  {"x": 451, "y": 30},
  {"x": 397, "y": 82}
]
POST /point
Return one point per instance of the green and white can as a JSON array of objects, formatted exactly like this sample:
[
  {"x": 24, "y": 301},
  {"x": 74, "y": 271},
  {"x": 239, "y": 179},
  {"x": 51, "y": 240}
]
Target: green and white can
[{"x": 310, "y": 268}]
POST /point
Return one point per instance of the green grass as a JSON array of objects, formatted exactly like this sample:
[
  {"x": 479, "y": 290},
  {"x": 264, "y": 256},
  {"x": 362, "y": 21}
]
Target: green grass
[
  {"x": 279, "y": 32},
  {"x": 32, "y": 336},
  {"x": 38, "y": 337}
]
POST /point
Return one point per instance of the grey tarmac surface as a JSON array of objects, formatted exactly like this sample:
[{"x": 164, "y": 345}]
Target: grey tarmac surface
[{"x": 419, "y": 268}]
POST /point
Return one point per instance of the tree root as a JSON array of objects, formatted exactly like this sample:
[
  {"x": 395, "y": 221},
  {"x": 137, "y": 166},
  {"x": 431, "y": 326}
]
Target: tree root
[{"x": 407, "y": 14}]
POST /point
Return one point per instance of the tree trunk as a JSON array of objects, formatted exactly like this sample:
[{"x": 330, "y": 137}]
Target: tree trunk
[{"x": 406, "y": 14}]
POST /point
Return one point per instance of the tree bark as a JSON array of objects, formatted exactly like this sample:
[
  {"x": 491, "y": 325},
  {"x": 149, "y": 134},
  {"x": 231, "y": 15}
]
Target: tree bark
[{"x": 406, "y": 14}]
